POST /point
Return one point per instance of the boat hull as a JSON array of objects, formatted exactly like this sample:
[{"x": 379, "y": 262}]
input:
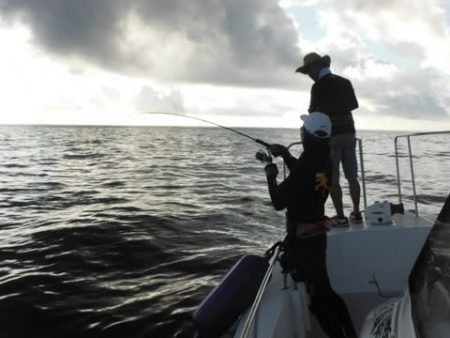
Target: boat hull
[{"x": 367, "y": 265}]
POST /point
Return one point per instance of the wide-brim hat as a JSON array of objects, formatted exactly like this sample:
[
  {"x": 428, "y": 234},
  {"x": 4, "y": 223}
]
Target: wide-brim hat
[{"x": 313, "y": 60}]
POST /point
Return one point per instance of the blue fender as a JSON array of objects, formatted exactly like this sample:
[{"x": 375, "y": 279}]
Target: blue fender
[{"x": 231, "y": 297}]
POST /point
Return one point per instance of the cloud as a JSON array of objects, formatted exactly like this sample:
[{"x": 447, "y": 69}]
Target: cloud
[
  {"x": 395, "y": 52},
  {"x": 394, "y": 91},
  {"x": 83, "y": 28},
  {"x": 243, "y": 42},
  {"x": 409, "y": 29},
  {"x": 151, "y": 99}
]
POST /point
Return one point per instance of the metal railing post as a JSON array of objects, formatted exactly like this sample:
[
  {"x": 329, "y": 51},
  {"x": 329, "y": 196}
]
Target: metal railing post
[
  {"x": 363, "y": 176},
  {"x": 398, "y": 171},
  {"x": 412, "y": 176}
]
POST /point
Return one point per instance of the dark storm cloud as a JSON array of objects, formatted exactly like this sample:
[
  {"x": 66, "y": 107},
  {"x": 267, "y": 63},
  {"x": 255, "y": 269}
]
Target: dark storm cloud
[
  {"x": 235, "y": 42},
  {"x": 248, "y": 42},
  {"x": 253, "y": 30},
  {"x": 85, "y": 28}
]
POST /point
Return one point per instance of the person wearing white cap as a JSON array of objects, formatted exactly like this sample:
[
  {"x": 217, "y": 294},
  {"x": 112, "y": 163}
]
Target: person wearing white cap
[
  {"x": 334, "y": 95},
  {"x": 304, "y": 193}
]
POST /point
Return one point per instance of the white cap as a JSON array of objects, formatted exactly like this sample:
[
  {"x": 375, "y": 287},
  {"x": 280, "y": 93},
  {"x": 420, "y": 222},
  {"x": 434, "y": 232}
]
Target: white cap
[{"x": 317, "y": 124}]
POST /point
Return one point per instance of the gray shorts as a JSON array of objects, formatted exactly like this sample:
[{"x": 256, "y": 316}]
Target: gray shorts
[{"x": 343, "y": 149}]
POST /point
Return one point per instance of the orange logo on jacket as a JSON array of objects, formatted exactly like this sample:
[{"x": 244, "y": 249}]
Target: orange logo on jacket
[{"x": 321, "y": 182}]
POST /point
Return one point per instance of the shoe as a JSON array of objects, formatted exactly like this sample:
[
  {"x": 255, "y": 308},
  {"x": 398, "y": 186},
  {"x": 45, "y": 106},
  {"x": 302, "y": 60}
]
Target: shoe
[
  {"x": 340, "y": 222},
  {"x": 356, "y": 217}
]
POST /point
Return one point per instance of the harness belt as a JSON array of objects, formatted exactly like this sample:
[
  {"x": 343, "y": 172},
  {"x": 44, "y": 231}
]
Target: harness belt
[{"x": 309, "y": 229}]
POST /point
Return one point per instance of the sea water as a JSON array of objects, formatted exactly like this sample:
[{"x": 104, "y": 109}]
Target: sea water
[{"x": 121, "y": 231}]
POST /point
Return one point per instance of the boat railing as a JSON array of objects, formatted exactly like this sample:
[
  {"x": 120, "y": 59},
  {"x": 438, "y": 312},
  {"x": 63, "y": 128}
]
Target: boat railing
[
  {"x": 254, "y": 309},
  {"x": 411, "y": 164},
  {"x": 361, "y": 167}
]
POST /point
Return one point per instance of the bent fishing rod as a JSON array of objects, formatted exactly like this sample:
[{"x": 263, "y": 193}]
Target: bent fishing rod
[{"x": 265, "y": 144}]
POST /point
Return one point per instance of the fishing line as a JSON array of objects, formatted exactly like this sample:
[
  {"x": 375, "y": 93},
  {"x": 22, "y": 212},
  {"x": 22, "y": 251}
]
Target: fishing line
[{"x": 215, "y": 124}]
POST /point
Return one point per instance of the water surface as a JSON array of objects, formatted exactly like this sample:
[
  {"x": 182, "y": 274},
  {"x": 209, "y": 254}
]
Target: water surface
[{"x": 121, "y": 232}]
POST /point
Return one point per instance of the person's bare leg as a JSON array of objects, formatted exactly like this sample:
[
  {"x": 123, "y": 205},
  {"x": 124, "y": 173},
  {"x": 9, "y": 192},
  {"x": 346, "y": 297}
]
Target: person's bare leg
[
  {"x": 336, "y": 196},
  {"x": 355, "y": 193}
]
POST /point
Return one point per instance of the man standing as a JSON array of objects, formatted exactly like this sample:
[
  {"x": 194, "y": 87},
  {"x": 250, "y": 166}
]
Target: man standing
[{"x": 334, "y": 96}]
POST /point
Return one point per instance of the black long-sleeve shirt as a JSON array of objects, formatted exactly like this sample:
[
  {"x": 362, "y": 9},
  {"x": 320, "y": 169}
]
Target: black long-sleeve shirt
[{"x": 334, "y": 95}]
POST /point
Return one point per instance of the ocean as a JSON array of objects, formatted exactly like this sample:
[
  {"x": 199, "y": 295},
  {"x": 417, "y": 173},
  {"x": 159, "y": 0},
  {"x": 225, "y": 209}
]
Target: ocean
[{"x": 122, "y": 231}]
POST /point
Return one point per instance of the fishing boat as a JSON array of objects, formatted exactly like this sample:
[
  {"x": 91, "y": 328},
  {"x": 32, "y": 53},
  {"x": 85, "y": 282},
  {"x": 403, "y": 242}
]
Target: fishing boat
[{"x": 392, "y": 270}]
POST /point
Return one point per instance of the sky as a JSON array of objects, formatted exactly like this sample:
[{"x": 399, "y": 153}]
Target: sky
[{"x": 112, "y": 62}]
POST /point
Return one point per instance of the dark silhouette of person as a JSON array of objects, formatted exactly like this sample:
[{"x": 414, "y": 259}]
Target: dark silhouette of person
[
  {"x": 304, "y": 193},
  {"x": 334, "y": 96}
]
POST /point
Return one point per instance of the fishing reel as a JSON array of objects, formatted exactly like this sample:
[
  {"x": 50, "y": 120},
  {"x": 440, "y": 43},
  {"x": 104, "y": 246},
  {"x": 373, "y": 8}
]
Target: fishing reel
[{"x": 263, "y": 156}]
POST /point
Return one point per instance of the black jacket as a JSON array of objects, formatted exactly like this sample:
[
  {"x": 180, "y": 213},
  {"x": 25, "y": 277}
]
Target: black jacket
[{"x": 306, "y": 189}]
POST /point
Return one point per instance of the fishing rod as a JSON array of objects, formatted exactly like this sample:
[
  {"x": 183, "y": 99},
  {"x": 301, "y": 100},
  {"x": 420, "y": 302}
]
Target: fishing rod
[{"x": 265, "y": 144}]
